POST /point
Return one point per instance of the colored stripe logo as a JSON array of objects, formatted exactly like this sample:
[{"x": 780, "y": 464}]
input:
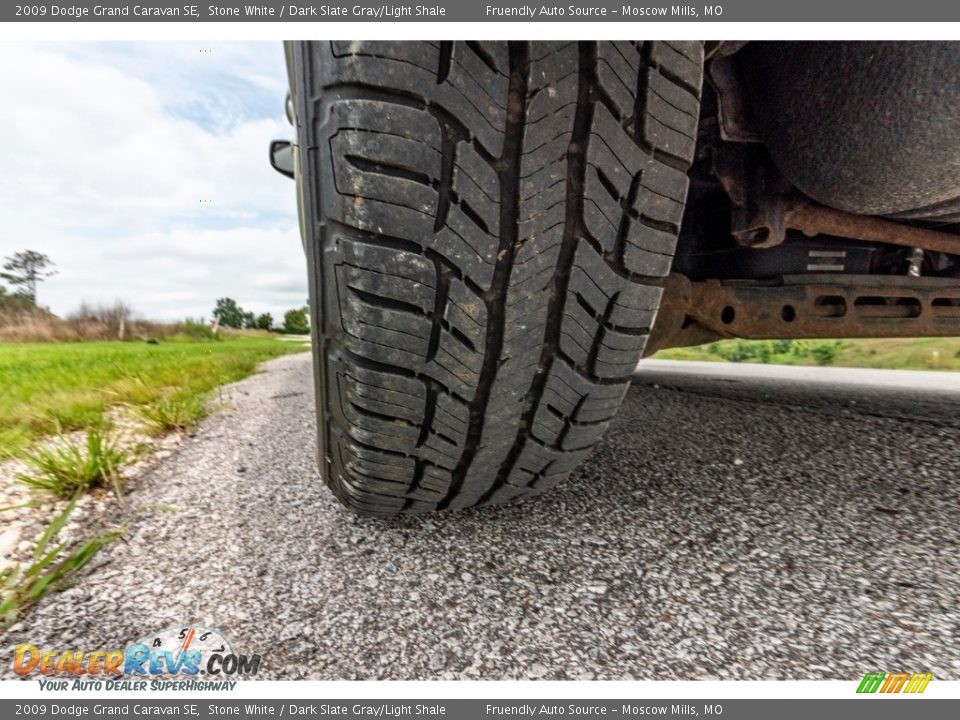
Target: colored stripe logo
[{"x": 894, "y": 682}]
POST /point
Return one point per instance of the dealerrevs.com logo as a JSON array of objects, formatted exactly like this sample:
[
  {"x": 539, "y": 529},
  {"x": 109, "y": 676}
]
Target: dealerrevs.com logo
[
  {"x": 910, "y": 683},
  {"x": 171, "y": 659}
]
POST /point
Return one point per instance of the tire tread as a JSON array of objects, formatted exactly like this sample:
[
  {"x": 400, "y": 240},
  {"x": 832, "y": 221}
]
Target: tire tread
[{"x": 489, "y": 239}]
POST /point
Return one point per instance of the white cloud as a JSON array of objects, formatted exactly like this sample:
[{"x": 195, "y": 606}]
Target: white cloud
[{"x": 99, "y": 172}]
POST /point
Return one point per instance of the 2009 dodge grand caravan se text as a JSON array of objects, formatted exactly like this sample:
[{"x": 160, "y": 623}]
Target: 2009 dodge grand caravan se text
[{"x": 497, "y": 232}]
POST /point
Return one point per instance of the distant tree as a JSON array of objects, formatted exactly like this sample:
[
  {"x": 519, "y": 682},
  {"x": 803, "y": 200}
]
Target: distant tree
[
  {"x": 228, "y": 313},
  {"x": 296, "y": 322},
  {"x": 265, "y": 321},
  {"x": 249, "y": 320},
  {"x": 27, "y": 269}
]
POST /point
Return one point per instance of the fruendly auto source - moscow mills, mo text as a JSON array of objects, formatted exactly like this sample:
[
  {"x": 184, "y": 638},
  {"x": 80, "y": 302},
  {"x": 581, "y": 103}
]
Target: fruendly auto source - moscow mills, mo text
[{"x": 582, "y": 11}]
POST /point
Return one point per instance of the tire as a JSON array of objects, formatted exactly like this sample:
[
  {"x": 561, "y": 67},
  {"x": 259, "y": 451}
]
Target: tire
[{"x": 488, "y": 226}]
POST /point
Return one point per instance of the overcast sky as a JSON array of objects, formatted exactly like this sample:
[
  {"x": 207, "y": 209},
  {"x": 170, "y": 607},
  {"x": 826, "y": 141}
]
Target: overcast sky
[{"x": 108, "y": 149}]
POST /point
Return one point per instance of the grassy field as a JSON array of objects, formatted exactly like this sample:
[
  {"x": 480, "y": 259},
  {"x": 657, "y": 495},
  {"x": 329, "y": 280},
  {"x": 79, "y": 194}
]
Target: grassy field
[
  {"x": 47, "y": 386},
  {"x": 889, "y": 353}
]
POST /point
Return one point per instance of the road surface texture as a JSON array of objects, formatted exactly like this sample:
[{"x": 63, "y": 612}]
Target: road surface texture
[{"x": 736, "y": 522}]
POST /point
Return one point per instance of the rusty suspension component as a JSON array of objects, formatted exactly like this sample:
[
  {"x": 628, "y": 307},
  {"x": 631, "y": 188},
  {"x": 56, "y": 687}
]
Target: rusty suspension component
[
  {"x": 811, "y": 219},
  {"x": 808, "y": 306},
  {"x": 767, "y": 224},
  {"x": 764, "y": 208}
]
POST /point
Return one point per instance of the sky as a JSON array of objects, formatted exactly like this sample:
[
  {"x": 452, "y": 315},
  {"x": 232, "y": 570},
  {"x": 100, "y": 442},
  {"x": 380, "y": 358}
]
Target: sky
[{"x": 141, "y": 169}]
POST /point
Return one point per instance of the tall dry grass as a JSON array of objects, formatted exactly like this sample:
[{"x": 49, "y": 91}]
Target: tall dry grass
[{"x": 89, "y": 322}]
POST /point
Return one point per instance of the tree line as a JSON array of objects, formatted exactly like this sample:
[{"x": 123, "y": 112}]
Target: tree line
[
  {"x": 24, "y": 271},
  {"x": 228, "y": 313}
]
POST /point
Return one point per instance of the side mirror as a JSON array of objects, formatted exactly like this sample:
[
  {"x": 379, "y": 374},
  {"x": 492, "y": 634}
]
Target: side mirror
[{"x": 281, "y": 157}]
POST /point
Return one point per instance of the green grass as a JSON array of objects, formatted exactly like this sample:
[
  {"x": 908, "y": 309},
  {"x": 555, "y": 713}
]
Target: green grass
[
  {"x": 174, "y": 412},
  {"x": 888, "y": 353},
  {"x": 69, "y": 386},
  {"x": 66, "y": 467},
  {"x": 52, "y": 569}
]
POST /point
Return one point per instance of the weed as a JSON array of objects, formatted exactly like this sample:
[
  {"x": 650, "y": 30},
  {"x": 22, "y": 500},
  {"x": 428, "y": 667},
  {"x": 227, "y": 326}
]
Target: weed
[
  {"x": 65, "y": 467},
  {"x": 52, "y": 569},
  {"x": 28, "y": 504},
  {"x": 176, "y": 412}
]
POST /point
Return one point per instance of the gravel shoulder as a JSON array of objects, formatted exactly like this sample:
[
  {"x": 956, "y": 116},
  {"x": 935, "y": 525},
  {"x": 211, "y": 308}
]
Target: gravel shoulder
[{"x": 741, "y": 533}]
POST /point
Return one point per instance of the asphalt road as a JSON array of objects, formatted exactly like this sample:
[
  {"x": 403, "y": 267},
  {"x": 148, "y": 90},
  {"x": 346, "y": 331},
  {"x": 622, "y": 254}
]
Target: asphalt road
[{"x": 735, "y": 522}]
